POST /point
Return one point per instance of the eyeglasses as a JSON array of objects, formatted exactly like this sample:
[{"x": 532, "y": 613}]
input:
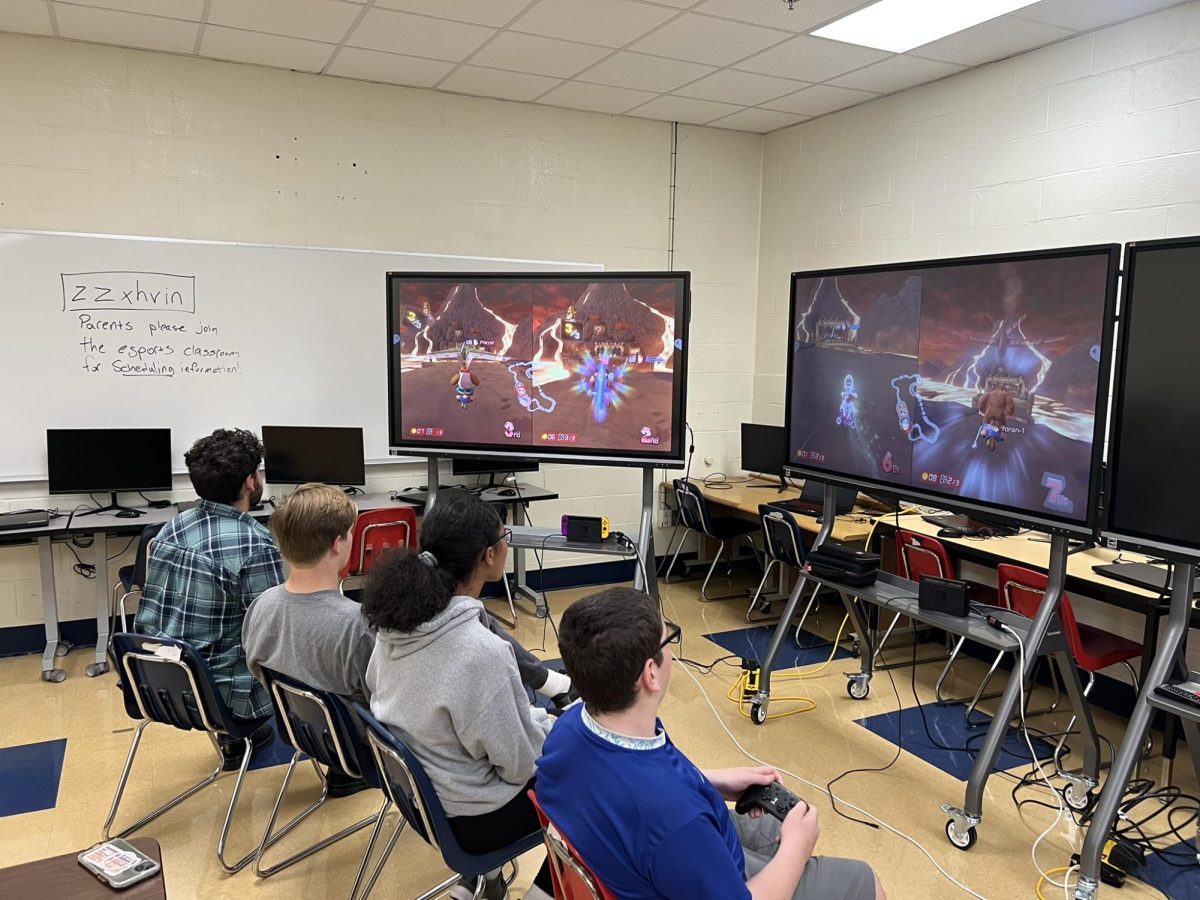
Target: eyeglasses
[
  {"x": 674, "y": 635},
  {"x": 505, "y": 535}
]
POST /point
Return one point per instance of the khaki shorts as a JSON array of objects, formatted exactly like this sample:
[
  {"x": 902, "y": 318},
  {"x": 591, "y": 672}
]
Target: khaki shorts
[{"x": 824, "y": 878}]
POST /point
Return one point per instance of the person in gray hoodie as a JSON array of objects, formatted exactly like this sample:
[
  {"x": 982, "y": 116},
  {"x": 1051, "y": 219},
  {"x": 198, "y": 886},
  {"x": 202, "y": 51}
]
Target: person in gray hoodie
[{"x": 475, "y": 733}]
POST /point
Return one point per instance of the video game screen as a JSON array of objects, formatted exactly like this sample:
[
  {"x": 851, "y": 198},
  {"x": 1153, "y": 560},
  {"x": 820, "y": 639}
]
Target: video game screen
[
  {"x": 558, "y": 364},
  {"x": 978, "y": 379}
]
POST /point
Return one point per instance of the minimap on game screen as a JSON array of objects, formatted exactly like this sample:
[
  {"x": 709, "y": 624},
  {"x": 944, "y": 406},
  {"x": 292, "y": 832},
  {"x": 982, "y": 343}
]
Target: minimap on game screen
[
  {"x": 570, "y": 365},
  {"x": 978, "y": 380}
]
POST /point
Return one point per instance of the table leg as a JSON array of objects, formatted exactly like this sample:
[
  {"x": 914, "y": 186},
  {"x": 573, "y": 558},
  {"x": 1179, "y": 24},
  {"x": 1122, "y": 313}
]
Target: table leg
[
  {"x": 50, "y": 672},
  {"x": 521, "y": 588},
  {"x": 100, "y": 561}
]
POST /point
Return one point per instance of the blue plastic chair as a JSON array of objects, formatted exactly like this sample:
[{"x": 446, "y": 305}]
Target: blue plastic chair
[
  {"x": 166, "y": 681},
  {"x": 407, "y": 785},
  {"x": 131, "y": 579},
  {"x": 783, "y": 542},
  {"x": 695, "y": 516},
  {"x": 318, "y": 724}
]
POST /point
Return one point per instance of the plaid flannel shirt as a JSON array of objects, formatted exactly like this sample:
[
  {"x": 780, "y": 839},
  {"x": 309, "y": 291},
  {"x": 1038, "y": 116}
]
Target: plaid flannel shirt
[{"x": 205, "y": 567}]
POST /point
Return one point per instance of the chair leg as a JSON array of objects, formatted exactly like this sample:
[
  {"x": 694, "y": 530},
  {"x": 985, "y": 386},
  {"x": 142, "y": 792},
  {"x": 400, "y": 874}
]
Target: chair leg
[
  {"x": 758, "y": 592},
  {"x": 671, "y": 567},
  {"x": 937, "y": 688},
  {"x": 807, "y": 609},
  {"x": 112, "y": 812},
  {"x": 121, "y": 607},
  {"x": 387, "y": 852},
  {"x": 1058, "y": 748},
  {"x": 269, "y": 839},
  {"x": 887, "y": 634},
  {"x": 704, "y": 587},
  {"x": 979, "y": 693},
  {"x": 234, "y": 868}
]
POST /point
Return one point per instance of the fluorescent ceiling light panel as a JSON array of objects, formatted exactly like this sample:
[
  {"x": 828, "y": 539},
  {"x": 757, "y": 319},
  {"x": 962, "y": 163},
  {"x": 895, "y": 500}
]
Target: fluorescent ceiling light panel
[{"x": 900, "y": 25}]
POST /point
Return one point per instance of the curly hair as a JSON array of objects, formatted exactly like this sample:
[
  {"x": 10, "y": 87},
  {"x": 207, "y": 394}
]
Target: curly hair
[
  {"x": 220, "y": 463},
  {"x": 605, "y": 640},
  {"x": 403, "y": 592}
]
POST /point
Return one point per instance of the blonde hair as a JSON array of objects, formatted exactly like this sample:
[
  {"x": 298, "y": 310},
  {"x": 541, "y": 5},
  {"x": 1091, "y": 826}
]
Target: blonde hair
[{"x": 309, "y": 520}]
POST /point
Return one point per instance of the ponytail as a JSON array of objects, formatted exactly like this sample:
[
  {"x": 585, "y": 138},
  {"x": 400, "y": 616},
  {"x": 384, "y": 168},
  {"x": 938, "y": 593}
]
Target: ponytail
[{"x": 405, "y": 590}]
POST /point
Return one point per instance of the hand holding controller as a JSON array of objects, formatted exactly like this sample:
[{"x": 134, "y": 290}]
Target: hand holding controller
[{"x": 774, "y": 799}]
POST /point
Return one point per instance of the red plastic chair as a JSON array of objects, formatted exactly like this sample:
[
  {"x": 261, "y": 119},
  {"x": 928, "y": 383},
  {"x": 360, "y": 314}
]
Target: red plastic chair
[
  {"x": 573, "y": 879},
  {"x": 377, "y": 530}
]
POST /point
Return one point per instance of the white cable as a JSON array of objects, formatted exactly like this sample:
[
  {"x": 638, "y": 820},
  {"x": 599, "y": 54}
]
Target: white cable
[
  {"x": 1019, "y": 674},
  {"x": 825, "y": 791}
]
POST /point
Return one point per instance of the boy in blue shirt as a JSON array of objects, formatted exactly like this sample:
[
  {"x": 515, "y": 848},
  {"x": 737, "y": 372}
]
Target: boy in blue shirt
[{"x": 642, "y": 816}]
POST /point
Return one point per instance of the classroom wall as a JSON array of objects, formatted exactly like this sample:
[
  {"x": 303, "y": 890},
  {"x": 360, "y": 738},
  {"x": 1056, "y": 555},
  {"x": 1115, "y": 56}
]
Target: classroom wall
[
  {"x": 1095, "y": 139},
  {"x": 100, "y": 139}
]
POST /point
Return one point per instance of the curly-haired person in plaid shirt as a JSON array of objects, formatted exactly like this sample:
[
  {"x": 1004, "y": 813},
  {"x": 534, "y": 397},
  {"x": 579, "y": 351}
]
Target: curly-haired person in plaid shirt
[{"x": 206, "y": 566}]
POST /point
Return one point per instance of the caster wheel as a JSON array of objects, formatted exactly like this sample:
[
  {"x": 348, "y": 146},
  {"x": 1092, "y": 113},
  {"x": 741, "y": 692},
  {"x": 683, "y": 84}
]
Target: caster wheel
[
  {"x": 858, "y": 688},
  {"x": 962, "y": 840},
  {"x": 758, "y": 713},
  {"x": 63, "y": 648},
  {"x": 97, "y": 668},
  {"x": 55, "y": 675},
  {"x": 856, "y": 650},
  {"x": 1080, "y": 802}
]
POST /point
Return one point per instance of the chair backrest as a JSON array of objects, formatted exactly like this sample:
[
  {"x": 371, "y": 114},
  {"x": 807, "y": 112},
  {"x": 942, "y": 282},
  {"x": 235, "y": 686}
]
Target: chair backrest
[
  {"x": 321, "y": 724},
  {"x": 1022, "y": 590},
  {"x": 782, "y": 536},
  {"x": 919, "y": 555},
  {"x": 573, "y": 878},
  {"x": 693, "y": 506},
  {"x": 145, "y": 539},
  {"x": 376, "y": 530},
  {"x": 166, "y": 681},
  {"x": 404, "y": 780}
]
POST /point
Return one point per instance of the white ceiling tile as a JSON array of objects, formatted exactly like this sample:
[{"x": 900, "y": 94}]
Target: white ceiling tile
[
  {"x": 612, "y": 23},
  {"x": 25, "y": 17},
  {"x": 275, "y": 50},
  {"x": 390, "y": 68},
  {"x": 992, "y": 40},
  {"x": 759, "y": 120},
  {"x": 595, "y": 97},
  {"x": 397, "y": 32},
  {"x": 479, "y": 12},
  {"x": 744, "y": 88},
  {"x": 315, "y": 20},
  {"x": 820, "y": 99},
  {"x": 811, "y": 59},
  {"x": 170, "y": 9},
  {"x": 683, "y": 109},
  {"x": 702, "y": 39},
  {"x": 1083, "y": 15},
  {"x": 644, "y": 73},
  {"x": 895, "y": 74},
  {"x": 805, "y": 16},
  {"x": 496, "y": 83},
  {"x": 538, "y": 55},
  {"x": 125, "y": 29}
]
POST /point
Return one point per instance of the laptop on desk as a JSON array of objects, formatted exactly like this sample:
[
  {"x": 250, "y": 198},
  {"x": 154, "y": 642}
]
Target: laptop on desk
[
  {"x": 1143, "y": 575},
  {"x": 811, "y": 501}
]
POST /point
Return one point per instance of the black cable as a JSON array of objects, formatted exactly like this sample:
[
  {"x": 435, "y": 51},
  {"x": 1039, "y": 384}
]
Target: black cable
[
  {"x": 705, "y": 668},
  {"x": 899, "y": 750}
]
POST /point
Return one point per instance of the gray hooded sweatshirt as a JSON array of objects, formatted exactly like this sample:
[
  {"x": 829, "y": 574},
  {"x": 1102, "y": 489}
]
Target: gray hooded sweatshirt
[{"x": 451, "y": 691}]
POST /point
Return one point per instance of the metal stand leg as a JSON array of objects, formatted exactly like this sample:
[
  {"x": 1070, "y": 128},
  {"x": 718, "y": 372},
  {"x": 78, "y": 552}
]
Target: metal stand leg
[
  {"x": 50, "y": 671},
  {"x": 100, "y": 560},
  {"x": 520, "y": 585},
  {"x": 646, "y": 538}
]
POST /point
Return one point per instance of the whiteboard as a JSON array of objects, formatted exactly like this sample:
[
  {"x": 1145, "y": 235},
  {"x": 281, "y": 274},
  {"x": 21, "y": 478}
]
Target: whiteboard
[{"x": 110, "y": 331}]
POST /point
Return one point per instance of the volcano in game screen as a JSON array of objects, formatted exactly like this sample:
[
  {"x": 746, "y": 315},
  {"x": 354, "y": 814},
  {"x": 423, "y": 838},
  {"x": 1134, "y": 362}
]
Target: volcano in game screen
[
  {"x": 978, "y": 379},
  {"x": 587, "y": 365}
]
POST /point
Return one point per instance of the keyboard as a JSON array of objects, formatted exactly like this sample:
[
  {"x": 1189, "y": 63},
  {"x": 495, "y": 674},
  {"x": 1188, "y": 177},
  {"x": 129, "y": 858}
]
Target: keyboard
[
  {"x": 966, "y": 526},
  {"x": 803, "y": 507},
  {"x": 1187, "y": 693}
]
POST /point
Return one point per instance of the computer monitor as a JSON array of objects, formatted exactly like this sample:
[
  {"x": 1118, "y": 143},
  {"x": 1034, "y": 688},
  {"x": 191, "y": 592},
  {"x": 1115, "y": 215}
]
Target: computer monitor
[
  {"x": 1152, "y": 497},
  {"x": 108, "y": 460},
  {"x": 298, "y": 454},
  {"x": 844, "y": 499},
  {"x": 975, "y": 384},
  {"x": 564, "y": 366},
  {"x": 764, "y": 451},
  {"x": 491, "y": 466}
]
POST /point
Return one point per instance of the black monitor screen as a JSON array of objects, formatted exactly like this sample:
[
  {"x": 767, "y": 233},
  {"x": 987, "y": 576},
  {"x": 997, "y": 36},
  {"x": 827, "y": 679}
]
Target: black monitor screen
[
  {"x": 82, "y": 460},
  {"x": 589, "y": 366},
  {"x": 977, "y": 383},
  {"x": 489, "y": 465},
  {"x": 300, "y": 454},
  {"x": 844, "y": 498},
  {"x": 764, "y": 448},
  {"x": 1152, "y": 496}
]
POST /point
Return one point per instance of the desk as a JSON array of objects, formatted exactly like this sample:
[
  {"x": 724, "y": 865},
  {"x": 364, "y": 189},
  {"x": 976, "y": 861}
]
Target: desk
[
  {"x": 99, "y": 527},
  {"x": 745, "y": 497},
  {"x": 63, "y": 876}
]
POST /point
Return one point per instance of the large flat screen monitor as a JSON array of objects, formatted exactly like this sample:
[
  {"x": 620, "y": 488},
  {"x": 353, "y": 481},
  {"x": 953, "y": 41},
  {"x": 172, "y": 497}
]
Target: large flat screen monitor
[
  {"x": 108, "y": 460},
  {"x": 975, "y": 384},
  {"x": 559, "y": 366},
  {"x": 298, "y": 454},
  {"x": 1153, "y": 497}
]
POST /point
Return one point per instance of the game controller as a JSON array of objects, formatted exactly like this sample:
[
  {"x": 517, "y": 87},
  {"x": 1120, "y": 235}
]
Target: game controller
[{"x": 773, "y": 799}]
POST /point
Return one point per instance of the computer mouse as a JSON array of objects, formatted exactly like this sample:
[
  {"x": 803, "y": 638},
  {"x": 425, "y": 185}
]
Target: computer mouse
[
  {"x": 506, "y": 492},
  {"x": 946, "y": 532}
]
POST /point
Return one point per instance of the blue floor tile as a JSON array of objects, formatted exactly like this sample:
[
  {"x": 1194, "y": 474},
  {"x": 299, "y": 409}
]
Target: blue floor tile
[
  {"x": 276, "y": 754},
  {"x": 948, "y": 727},
  {"x": 29, "y": 776},
  {"x": 1176, "y": 883},
  {"x": 754, "y": 642}
]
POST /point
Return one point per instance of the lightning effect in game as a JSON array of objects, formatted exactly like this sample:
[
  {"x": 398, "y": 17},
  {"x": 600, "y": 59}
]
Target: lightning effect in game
[
  {"x": 817, "y": 293},
  {"x": 602, "y": 382},
  {"x": 1044, "y": 360}
]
